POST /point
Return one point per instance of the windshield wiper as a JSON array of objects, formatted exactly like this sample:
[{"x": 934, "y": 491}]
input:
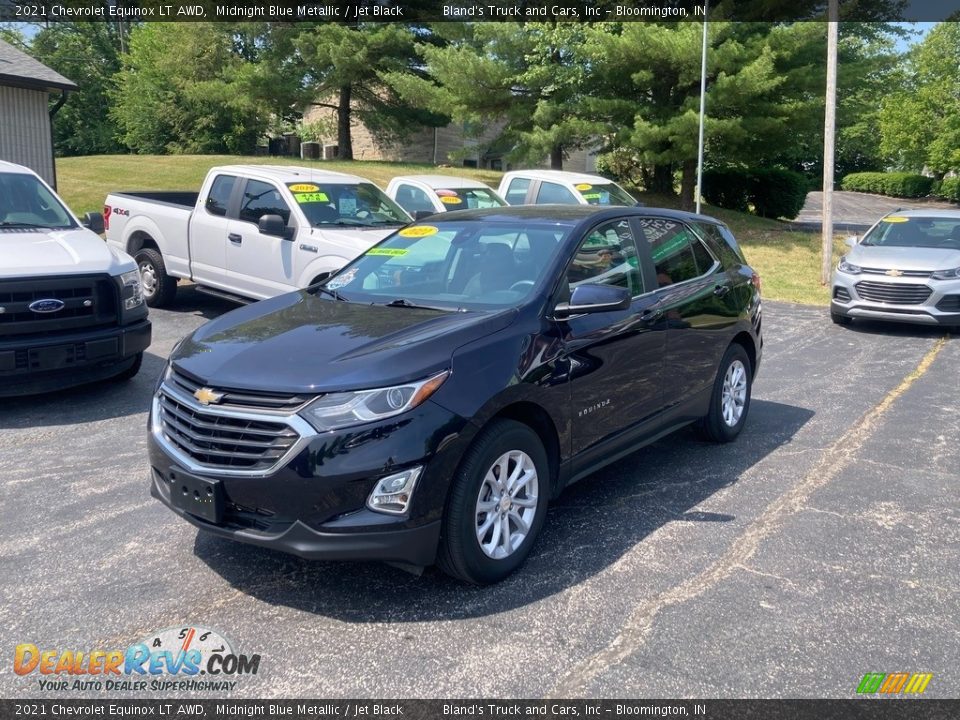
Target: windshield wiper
[
  {"x": 332, "y": 293},
  {"x": 404, "y": 303},
  {"x": 23, "y": 225}
]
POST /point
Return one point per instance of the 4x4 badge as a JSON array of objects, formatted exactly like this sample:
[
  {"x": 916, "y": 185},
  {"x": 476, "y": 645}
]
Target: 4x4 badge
[{"x": 206, "y": 396}]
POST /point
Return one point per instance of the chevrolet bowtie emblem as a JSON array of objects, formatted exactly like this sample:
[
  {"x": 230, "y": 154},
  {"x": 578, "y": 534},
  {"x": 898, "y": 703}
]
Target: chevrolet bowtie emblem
[
  {"x": 894, "y": 273},
  {"x": 206, "y": 396}
]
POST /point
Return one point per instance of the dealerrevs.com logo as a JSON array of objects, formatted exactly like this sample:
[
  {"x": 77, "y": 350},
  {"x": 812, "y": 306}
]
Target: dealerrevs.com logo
[{"x": 183, "y": 658}]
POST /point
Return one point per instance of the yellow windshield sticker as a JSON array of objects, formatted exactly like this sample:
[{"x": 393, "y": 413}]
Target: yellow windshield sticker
[
  {"x": 418, "y": 231},
  {"x": 389, "y": 252},
  {"x": 309, "y": 197},
  {"x": 584, "y": 186},
  {"x": 303, "y": 188},
  {"x": 895, "y": 219},
  {"x": 450, "y": 200}
]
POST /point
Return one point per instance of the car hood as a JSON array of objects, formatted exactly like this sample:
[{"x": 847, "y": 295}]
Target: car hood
[
  {"x": 304, "y": 343},
  {"x": 44, "y": 252},
  {"x": 355, "y": 239},
  {"x": 904, "y": 258}
]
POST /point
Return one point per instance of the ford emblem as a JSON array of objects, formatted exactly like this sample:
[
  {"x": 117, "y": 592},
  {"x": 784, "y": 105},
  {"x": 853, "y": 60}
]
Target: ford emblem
[{"x": 47, "y": 305}]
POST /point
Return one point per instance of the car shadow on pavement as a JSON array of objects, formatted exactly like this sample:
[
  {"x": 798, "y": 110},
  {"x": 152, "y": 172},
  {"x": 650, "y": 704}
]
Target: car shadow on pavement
[
  {"x": 590, "y": 527},
  {"x": 209, "y": 307},
  {"x": 898, "y": 329},
  {"x": 97, "y": 401}
]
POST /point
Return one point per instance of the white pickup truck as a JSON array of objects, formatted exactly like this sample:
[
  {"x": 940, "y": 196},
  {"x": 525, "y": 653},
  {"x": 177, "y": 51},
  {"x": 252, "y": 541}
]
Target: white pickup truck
[
  {"x": 252, "y": 232},
  {"x": 71, "y": 309}
]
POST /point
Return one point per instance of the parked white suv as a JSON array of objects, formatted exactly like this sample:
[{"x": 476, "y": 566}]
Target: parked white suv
[
  {"x": 549, "y": 187},
  {"x": 252, "y": 232},
  {"x": 71, "y": 309}
]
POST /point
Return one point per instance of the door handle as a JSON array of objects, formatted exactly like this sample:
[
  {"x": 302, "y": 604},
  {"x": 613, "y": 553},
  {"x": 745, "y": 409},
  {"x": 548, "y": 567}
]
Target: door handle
[
  {"x": 234, "y": 238},
  {"x": 651, "y": 314},
  {"x": 721, "y": 290}
]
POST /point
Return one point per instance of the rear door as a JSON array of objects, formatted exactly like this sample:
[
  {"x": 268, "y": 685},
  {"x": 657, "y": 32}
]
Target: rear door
[
  {"x": 615, "y": 358},
  {"x": 209, "y": 227}
]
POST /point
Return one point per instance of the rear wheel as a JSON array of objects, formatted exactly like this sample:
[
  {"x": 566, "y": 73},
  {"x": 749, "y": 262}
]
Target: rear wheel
[
  {"x": 159, "y": 289},
  {"x": 840, "y": 319},
  {"x": 730, "y": 400},
  {"x": 497, "y": 504}
]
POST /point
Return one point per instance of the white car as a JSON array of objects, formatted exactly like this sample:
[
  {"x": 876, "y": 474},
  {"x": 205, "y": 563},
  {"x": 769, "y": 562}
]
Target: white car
[
  {"x": 71, "y": 308},
  {"x": 549, "y": 187},
  {"x": 422, "y": 195},
  {"x": 906, "y": 268},
  {"x": 252, "y": 232}
]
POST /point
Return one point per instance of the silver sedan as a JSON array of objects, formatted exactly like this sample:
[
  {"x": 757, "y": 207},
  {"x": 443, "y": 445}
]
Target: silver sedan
[{"x": 906, "y": 268}]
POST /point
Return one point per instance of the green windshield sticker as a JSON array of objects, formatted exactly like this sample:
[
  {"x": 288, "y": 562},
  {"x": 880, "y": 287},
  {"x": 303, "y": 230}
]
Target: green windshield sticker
[
  {"x": 389, "y": 252},
  {"x": 311, "y": 197},
  {"x": 591, "y": 196}
]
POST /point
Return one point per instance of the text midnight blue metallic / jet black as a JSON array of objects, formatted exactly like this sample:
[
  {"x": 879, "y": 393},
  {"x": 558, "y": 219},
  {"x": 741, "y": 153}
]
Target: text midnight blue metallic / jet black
[{"x": 426, "y": 402}]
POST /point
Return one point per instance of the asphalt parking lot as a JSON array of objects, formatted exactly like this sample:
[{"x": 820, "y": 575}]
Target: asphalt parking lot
[{"x": 823, "y": 545}]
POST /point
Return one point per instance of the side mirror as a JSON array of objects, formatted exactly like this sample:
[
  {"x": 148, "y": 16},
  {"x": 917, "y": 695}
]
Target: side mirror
[
  {"x": 852, "y": 241},
  {"x": 421, "y": 214},
  {"x": 274, "y": 225},
  {"x": 593, "y": 298},
  {"x": 93, "y": 221}
]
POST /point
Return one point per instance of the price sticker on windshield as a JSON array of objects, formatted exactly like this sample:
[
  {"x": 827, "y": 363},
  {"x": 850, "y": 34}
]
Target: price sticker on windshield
[
  {"x": 583, "y": 186},
  {"x": 389, "y": 252},
  {"x": 418, "y": 231},
  {"x": 895, "y": 219},
  {"x": 450, "y": 200},
  {"x": 303, "y": 188},
  {"x": 311, "y": 197}
]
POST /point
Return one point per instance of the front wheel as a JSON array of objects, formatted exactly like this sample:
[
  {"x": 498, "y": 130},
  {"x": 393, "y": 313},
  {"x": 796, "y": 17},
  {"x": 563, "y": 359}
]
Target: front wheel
[
  {"x": 497, "y": 504},
  {"x": 730, "y": 400}
]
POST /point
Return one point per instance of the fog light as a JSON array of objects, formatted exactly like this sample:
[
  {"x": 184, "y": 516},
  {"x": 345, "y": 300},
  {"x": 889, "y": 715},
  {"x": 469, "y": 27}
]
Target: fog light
[{"x": 392, "y": 494}]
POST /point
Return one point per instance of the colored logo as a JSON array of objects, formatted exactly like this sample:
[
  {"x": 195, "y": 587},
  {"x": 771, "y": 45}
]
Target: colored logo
[
  {"x": 47, "y": 305},
  {"x": 894, "y": 683},
  {"x": 206, "y": 396}
]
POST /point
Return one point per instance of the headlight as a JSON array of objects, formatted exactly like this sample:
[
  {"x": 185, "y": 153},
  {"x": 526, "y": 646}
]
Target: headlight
[
  {"x": 946, "y": 274},
  {"x": 132, "y": 290},
  {"x": 340, "y": 410},
  {"x": 848, "y": 268}
]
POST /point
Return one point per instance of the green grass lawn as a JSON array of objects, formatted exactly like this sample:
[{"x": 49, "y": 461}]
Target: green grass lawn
[{"x": 787, "y": 260}]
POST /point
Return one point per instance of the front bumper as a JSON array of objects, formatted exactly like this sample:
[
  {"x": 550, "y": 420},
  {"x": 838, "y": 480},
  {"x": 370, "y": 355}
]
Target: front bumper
[
  {"x": 314, "y": 503},
  {"x": 36, "y": 365},
  {"x": 898, "y": 299}
]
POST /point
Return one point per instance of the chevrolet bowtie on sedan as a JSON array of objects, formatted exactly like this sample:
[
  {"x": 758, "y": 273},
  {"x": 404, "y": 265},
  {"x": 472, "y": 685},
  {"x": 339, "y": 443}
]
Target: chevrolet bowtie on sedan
[
  {"x": 905, "y": 268},
  {"x": 426, "y": 402}
]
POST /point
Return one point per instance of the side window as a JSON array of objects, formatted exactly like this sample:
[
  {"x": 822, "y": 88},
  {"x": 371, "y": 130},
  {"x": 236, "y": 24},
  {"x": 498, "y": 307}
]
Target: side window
[
  {"x": 608, "y": 255},
  {"x": 517, "y": 191},
  {"x": 219, "y": 198},
  {"x": 678, "y": 254},
  {"x": 723, "y": 242},
  {"x": 551, "y": 193},
  {"x": 259, "y": 199},
  {"x": 412, "y": 199}
]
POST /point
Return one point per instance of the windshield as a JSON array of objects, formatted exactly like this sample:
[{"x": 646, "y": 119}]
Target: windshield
[
  {"x": 26, "y": 202},
  {"x": 469, "y": 198},
  {"x": 605, "y": 194},
  {"x": 913, "y": 231},
  {"x": 453, "y": 265},
  {"x": 362, "y": 205}
]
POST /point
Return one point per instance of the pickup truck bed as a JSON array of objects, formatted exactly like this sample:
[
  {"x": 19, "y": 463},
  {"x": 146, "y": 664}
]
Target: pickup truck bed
[{"x": 181, "y": 198}]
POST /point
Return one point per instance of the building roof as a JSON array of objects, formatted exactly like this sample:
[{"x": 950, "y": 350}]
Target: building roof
[{"x": 17, "y": 69}]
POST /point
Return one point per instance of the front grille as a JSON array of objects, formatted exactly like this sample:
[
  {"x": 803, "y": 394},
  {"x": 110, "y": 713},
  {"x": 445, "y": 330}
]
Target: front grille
[
  {"x": 245, "y": 399},
  {"x": 219, "y": 441},
  {"x": 893, "y": 293},
  {"x": 950, "y": 303},
  {"x": 89, "y": 301},
  {"x": 902, "y": 273},
  {"x": 841, "y": 294}
]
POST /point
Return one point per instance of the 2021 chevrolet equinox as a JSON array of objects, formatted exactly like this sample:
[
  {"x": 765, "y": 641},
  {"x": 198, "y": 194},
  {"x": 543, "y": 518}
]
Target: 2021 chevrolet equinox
[{"x": 426, "y": 402}]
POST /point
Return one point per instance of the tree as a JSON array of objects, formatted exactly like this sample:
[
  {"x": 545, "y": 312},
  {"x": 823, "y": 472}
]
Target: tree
[
  {"x": 179, "y": 91},
  {"x": 920, "y": 122}
]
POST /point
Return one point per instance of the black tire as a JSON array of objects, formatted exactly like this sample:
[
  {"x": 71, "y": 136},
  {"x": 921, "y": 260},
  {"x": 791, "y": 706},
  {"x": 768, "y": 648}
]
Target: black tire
[
  {"x": 713, "y": 426},
  {"x": 460, "y": 554},
  {"x": 159, "y": 289},
  {"x": 840, "y": 319},
  {"x": 131, "y": 371}
]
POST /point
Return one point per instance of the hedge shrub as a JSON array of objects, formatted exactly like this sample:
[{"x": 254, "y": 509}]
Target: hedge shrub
[
  {"x": 772, "y": 192},
  {"x": 894, "y": 184},
  {"x": 949, "y": 189}
]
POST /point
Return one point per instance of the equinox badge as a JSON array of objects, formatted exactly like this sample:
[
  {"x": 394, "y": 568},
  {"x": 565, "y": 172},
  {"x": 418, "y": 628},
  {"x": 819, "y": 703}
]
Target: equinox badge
[{"x": 206, "y": 396}]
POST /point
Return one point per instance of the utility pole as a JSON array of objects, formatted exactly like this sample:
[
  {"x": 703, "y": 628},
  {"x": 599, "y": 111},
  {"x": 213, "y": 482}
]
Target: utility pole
[
  {"x": 703, "y": 104},
  {"x": 829, "y": 142}
]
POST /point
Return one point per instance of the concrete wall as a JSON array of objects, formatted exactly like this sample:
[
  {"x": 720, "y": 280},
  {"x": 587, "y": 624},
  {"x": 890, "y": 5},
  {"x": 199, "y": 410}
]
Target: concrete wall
[{"x": 25, "y": 130}]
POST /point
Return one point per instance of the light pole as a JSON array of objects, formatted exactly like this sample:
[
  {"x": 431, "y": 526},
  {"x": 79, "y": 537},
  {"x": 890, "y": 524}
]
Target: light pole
[
  {"x": 829, "y": 144},
  {"x": 703, "y": 104}
]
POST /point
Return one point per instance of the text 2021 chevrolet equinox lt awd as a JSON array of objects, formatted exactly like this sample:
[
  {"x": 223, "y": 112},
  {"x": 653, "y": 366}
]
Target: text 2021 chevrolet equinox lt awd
[{"x": 425, "y": 403}]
